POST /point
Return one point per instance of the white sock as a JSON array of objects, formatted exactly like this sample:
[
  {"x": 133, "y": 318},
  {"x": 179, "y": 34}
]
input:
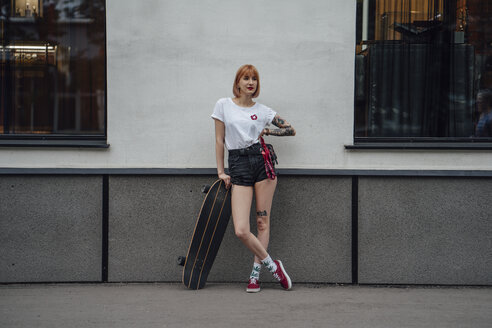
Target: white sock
[
  {"x": 269, "y": 264},
  {"x": 255, "y": 274}
]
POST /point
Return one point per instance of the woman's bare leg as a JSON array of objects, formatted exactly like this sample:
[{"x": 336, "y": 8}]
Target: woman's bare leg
[
  {"x": 264, "y": 191},
  {"x": 241, "y": 199}
]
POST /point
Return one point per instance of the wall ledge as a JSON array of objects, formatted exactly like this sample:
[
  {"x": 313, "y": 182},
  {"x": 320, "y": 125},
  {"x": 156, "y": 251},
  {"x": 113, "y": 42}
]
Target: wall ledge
[{"x": 213, "y": 171}]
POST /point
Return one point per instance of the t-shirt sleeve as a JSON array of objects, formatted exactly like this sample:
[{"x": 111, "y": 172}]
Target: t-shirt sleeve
[
  {"x": 270, "y": 116},
  {"x": 218, "y": 111}
]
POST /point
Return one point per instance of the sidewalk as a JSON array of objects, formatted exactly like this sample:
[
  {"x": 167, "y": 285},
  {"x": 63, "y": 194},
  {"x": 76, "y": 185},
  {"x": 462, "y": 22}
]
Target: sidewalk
[{"x": 227, "y": 305}]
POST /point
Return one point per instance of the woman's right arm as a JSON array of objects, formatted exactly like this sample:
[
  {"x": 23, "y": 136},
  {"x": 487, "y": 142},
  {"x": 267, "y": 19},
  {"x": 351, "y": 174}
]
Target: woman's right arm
[{"x": 219, "y": 152}]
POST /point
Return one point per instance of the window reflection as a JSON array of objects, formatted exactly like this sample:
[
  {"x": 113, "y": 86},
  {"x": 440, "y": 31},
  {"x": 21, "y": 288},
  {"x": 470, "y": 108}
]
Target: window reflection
[
  {"x": 53, "y": 67},
  {"x": 420, "y": 66},
  {"x": 28, "y": 8},
  {"x": 483, "y": 128}
]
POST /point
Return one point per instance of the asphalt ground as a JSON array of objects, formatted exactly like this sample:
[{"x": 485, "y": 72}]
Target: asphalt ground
[{"x": 228, "y": 305}]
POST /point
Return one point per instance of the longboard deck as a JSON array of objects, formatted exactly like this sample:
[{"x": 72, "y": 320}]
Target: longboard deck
[{"x": 208, "y": 234}]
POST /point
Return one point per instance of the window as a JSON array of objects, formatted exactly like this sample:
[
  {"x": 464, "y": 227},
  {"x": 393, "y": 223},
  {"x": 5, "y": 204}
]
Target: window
[
  {"x": 53, "y": 72},
  {"x": 423, "y": 71}
]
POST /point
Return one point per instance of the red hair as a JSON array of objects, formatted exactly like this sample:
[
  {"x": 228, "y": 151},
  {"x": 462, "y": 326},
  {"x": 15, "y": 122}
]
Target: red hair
[{"x": 249, "y": 70}]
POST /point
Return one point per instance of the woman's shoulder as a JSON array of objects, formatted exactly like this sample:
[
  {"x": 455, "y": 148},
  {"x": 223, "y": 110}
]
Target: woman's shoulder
[
  {"x": 263, "y": 106},
  {"x": 223, "y": 100}
]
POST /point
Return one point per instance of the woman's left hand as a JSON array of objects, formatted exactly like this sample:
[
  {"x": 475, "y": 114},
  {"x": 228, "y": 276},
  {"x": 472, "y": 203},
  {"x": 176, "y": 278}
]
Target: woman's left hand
[{"x": 265, "y": 132}]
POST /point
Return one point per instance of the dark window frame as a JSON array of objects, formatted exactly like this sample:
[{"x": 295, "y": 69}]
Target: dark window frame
[
  {"x": 61, "y": 140},
  {"x": 402, "y": 143}
]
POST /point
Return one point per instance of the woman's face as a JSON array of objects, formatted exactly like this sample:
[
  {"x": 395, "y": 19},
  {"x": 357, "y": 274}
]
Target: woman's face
[{"x": 247, "y": 84}]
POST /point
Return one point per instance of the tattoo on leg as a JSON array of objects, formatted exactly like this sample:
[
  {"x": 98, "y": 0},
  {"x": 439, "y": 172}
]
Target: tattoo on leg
[{"x": 261, "y": 213}]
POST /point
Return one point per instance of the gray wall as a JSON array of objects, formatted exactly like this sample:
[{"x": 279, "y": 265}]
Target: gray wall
[
  {"x": 50, "y": 228},
  {"x": 425, "y": 231},
  {"x": 152, "y": 221},
  {"x": 412, "y": 230}
]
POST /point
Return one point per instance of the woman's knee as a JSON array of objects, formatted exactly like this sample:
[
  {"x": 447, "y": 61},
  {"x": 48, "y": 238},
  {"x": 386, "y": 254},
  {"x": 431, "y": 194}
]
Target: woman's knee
[{"x": 242, "y": 234}]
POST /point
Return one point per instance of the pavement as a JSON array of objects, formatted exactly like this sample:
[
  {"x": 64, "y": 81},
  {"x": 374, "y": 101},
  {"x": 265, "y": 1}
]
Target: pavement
[{"x": 228, "y": 305}]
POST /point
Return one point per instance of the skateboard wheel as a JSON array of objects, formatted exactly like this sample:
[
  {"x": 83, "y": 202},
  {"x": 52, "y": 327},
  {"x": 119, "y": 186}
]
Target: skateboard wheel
[
  {"x": 205, "y": 188},
  {"x": 181, "y": 260}
]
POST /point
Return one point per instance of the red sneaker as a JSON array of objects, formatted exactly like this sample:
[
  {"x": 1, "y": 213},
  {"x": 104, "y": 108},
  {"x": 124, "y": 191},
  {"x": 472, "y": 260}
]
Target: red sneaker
[
  {"x": 253, "y": 286},
  {"x": 282, "y": 276}
]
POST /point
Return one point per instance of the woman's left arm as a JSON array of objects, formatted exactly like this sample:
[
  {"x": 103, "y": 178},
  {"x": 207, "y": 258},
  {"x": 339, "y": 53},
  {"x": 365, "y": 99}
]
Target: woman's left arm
[{"x": 284, "y": 128}]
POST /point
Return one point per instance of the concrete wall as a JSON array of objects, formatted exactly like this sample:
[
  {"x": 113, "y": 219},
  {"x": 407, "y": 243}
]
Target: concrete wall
[
  {"x": 425, "y": 231},
  {"x": 50, "y": 228},
  {"x": 411, "y": 230},
  {"x": 169, "y": 61},
  {"x": 152, "y": 221}
]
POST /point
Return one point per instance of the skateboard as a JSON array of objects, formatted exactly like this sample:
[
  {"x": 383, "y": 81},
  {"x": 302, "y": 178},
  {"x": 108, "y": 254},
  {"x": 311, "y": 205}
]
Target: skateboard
[{"x": 209, "y": 230}]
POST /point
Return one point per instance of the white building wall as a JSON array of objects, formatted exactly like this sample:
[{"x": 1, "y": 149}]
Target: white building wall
[{"x": 169, "y": 61}]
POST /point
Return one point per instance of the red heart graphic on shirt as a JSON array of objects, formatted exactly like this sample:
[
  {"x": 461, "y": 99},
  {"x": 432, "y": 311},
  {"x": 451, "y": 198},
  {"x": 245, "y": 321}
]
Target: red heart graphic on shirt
[{"x": 254, "y": 117}]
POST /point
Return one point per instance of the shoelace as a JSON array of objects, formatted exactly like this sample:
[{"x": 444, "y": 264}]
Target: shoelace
[
  {"x": 252, "y": 280},
  {"x": 276, "y": 276}
]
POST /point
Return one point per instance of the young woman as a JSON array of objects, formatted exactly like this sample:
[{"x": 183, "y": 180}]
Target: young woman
[{"x": 239, "y": 124}]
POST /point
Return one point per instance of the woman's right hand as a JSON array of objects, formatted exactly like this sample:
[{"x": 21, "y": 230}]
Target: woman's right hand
[{"x": 226, "y": 178}]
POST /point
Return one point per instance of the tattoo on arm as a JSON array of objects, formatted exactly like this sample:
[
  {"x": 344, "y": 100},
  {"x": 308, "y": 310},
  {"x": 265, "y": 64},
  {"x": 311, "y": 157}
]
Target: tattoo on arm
[
  {"x": 280, "y": 122},
  {"x": 282, "y": 132},
  {"x": 261, "y": 213},
  {"x": 285, "y": 128}
]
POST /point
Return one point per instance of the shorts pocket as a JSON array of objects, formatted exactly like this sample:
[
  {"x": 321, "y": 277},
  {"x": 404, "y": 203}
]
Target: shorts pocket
[
  {"x": 233, "y": 161},
  {"x": 233, "y": 158}
]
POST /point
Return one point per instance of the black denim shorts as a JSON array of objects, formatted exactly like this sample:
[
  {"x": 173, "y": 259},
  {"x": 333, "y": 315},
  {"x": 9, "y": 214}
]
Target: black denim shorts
[{"x": 247, "y": 166}]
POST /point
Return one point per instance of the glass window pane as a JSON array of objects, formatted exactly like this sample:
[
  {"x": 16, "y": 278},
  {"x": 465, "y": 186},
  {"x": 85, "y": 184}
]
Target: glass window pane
[
  {"x": 423, "y": 69},
  {"x": 53, "y": 67}
]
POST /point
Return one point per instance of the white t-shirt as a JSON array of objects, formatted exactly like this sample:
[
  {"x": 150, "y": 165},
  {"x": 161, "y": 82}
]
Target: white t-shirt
[{"x": 243, "y": 125}]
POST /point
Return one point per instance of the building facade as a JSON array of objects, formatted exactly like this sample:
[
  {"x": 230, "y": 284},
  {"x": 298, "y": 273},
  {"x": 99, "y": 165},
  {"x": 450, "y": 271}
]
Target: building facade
[{"x": 107, "y": 138}]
